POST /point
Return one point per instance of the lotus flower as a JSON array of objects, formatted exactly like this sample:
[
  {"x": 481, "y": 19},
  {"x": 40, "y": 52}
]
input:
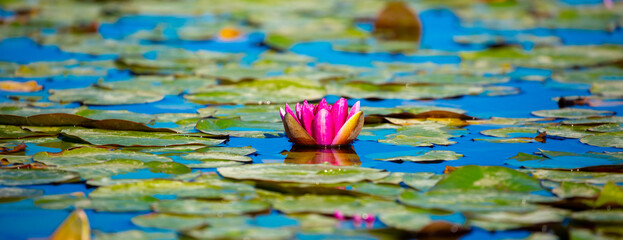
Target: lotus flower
[{"x": 323, "y": 124}]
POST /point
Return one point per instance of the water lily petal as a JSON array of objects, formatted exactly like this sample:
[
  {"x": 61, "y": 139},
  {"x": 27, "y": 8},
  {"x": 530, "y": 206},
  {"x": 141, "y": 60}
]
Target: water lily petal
[
  {"x": 295, "y": 132},
  {"x": 323, "y": 127},
  {"x": 350, "y": 130},
  {"x": 323, "y": 105},
  {"x": 354, "y": 110},
  {"x": 282, "y": 113},
  {"x": 298, "y": 110},
  {"x": 339, "y": 111},
  {"x": 289, "y": 110}
]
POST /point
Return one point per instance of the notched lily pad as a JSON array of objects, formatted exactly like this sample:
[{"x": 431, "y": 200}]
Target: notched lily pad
[
  {"x": 14, "y": 177},
  {"x": 101, "y": 96},
  {"x": 93, "y": 155},
  {"x": 428, "y": 156},
  {"x": 136, "y": 138},
  {"x": 210, "y": 208},
  {"x": 572, "y": 113}
]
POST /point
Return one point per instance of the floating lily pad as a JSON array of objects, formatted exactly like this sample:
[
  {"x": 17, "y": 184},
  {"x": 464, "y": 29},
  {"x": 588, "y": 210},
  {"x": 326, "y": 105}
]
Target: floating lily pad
[
  {"x": 168, "y": 167},
  {"x": 238, "y": 128},
  {"x": 434, "y": 155},
  {"x": 496, "y": 221},
  {"x": 610, "y": 127},
  {"x": 511, "y": 132},
  {"x": 13, "y": 159},
  {"x": 611, "y": 194},
  {"x": 328, "y": 204},
  {"x": 12, "y": 132},
  {"x": 423, "y": 135},
  {"x": 608, "y": 89},
  {"x": 567, "y": 131},
  {"x": 181, "y": 222},
  {"x": 90, "y": 170},
  {"x": 564, "y": 160},
  {"x": 479, "y": 178},
  {"x": 572, "y": 113},
  {"x": 206, "y": 190},
  {"x": 217, "y": 156},
  {"x": 93, "y": 155},
  {"x": 14, "y": 177},
  {"x": 572, "y": 189},
  {"x": 166, "y": 85},
  {"x": 134, "y": 234},
  {"x": 475, "y": 201},
  {"x": 11, "y": 194},
  {"x": 241, "y": 232},
  {"x": 253, "y": 113},
  {"x": 117, "y": 204},
  {"x": 301, "y": 173},
  {"x": 614, "y": 139},
  {"x": 59, "y": 201},
  {"x": 269, "y": 90},
  {"x": 102, "y": 96},
  {"x": 577, "y": 177},
  {"x": 135, "y": 138},
  {"x": 401, "y": 91},
  {"x": 407, "y": 221},
  {"x": 233, "y": 150},
  {"x": 599, "y": 216},
  {"x": 422, "y": 181},
  {"x": 210, "y": 208},
  {"x": 593, "y": 121}
]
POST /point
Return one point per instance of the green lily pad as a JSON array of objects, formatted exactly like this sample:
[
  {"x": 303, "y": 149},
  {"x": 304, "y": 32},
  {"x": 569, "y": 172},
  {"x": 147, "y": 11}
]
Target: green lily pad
[
  {"x": 608, "y": 89},
  {"x": 121, "y": 114},
  {"x": 233, "y": 150},
  {"x": 15, "y": 177},
  {"x": 252, "y": 113},
  {"x": 613, "y": 139},
  {"x": 572, "y": 113},
  {"x": 499, "y": 221},
  {"x": 102, "y": 96},
  {"x": 135, "y": 138},
  {"x": 401, "y": 91},
  {"x": 434, "y": 155},
  {"x": 13, "y": 159},
  {"x": 451, "y": 79},
  {"x": 423, "y": 135},
  {"x": 117, "y": 204},
  {"x": 11, "y": 194},
  {"x": 216, "y": 156},
  {"x": 210, "y": 208},
  {"x": 168, "y": 167},
  {"x": 407, "y": 221},
  {"x": 328, "y": 204},
  {"x": 207, "y": 190},
  {"x": 511, "y": 132},
  {"x": 564, "y": 160},
  {"x": 241, "y": 232},
  {"x": 101, "y": 169},
  {"x": 181, "y": 222},
  {"x": 134, "y": 235},
  {"x": 166, "y": 85},
  {"x": 567, "y": 131},
  {"x": 492, "y": 178},
  {"x": 611, "y": 194},
  {"x": 610, "y": 127},
  {"x": 572, "y": 189},
  {"x": 593, "y": 121},
  {"x": 12, "y": 132},
  {"x": 422, "y": 181},
  {"x": 238, "y": 128},
  {"x": 475, "y": 201},
  {"x": 269, "y": 90},
  {"x": 301, "y": 173},
  {"x": 59, "y": 201},
  {"x": 599, "y": 216},
  {"x": 93, "y": 155},
  {"x": 577, "y": 177}
]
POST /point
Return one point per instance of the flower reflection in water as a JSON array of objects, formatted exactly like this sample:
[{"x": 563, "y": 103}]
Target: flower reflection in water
[{"x": 334, "y": 156}]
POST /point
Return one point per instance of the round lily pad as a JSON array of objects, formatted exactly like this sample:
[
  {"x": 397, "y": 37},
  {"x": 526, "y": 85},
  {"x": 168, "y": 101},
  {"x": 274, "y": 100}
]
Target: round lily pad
[
  {"x": 136, "y": 138},
  {"x": 301, "y": 173},
  {"x": 611, "y": 139},
  {"x": 13, "y": 177},
  {"x": 11, "y": 194},
  {"x": 210, "y": 208},
  {"x": 103, "y": 96},
  {"x": 572, "y": 113},
  {"x": 94, "y": 155}
]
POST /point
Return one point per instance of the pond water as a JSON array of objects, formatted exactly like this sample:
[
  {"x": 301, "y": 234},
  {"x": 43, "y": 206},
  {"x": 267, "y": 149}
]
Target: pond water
[{"x": 519, "y": 96}]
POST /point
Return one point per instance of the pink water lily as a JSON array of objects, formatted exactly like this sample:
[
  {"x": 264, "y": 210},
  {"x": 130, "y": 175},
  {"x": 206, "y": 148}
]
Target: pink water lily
[{"x": 322, "y": 124}]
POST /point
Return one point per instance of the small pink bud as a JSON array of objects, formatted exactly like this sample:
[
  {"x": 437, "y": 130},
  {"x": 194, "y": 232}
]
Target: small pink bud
[
  {"x": 369, "y": 218},
  {"x": 357, "y": 218}
]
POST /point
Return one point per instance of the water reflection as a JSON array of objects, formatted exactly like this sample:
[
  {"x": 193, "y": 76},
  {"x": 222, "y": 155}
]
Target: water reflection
[{"x": 339, "y": 157}]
